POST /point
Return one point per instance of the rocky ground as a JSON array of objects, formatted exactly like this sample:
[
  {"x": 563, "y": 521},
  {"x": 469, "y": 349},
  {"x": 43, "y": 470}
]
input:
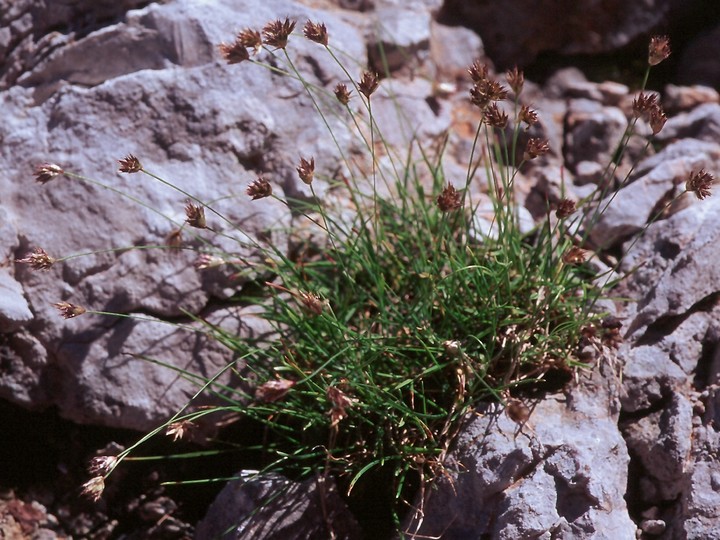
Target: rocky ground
[{"x": 629, "y": 451}]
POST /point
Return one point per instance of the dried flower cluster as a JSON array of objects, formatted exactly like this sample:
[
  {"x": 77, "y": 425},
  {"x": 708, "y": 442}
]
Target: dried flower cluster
[
  {"x": 658, "y": 50},
  {"x": 312, "y": 303},
  {"x": 646, "y": 106},
  {"x": 272, "y": 391},
  {"x": 68, "y": 310},
  {"x": 450, "y": 199},
  {"x": 342, "y": 94},
  {"x": 536, "y": 148},
  {"x": 276, "y": 33},
  {"x": 574, "y": 255},
  {"x": 306, "y": 170},
  {"x": 102, "y": 465},
  {"x": 47, "y": 171},
  {"x": 195, "y": 216},
  {"x": 178, "y": 430},
  {"x": 129, "y": 164},
  {"x": 565, "y": 208},
  {"x": 259, "y": 189},
  {"x": 699, "y": 183},
  {"x": 368, "y": 83},
  {"x": 340, "y": 402},
  {"x": 316, "y": 32},
  {"x": 38, "y": 260}
]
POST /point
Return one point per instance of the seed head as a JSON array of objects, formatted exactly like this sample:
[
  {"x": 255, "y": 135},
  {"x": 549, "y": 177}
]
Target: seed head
[
  {"x": 174, "y": 238},
  {"x": 94, "y": 488},
  {"x": 276, "y": 33},
  {"x": 478, "y": 71},
  {"x": 46, "y": 172},
  {"x": 251, "y": 39},
  {"x": 452, "y": 347},
  {"x": 38, "y": 260},
  {"x": 643, "y": 104},
  {"x": 485, "y": 92},
  {"x": 316, "y": 32},
  {"x": 536, "y": 148},
  {"x": 259, "y": 189},
  {"x": 565, "y": 208},
  {"x": 657, "y": 120},
  {"x": 574, "y": 255},
  {"x": 205, "y": 261},
  {"x": 306, "y": 170},
  {"x": 450, "y": 199},
  {"x": 368, "y": 83},
  {"x": 340, "y": 401},
  {"x": 699, "y": 183},
  {"x": 517, "y": 411},
  {"x": 68, "y": 310},
  {"x": 102, "y": 465},
  {"x": 494, "y": 117},
  {"x": 658, "y": 50},
  {"x": 515, "y": 79},
  {"x": 342, "y": 93},
  {"x": 312, "y": 303},
  {"x": 195, "y": 215},
  {"x": 178, "y": 430},
  {"x": 234, "y": 53},
  {"x": 528, "y": 116},
  {"x": 129, "y": 164},
  {"x": 272, "y": 391}
]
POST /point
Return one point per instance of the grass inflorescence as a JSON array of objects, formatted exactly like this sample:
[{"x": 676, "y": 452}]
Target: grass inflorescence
[{"x": 410, "y": 313}]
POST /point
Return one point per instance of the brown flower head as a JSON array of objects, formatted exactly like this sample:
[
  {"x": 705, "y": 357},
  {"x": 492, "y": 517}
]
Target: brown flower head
[
  {"x": 565, "y": 208},
  {"x": 643, "y": 104},
  {"x": 195, "y": 215},
  {"x": 536, "y": 148},
  {"x": 102, "y": 465},
  {"x": 94, "y": 488},
  {"x": 574, "y": 255},
  {"x": 453, "y": 348},
  {"x": 340, "y": 401},
  {"x": 368, "y": 83},
  {"x": 495, "y": 117},
  {"x": 130, "y": 164},
  {"x": 312, "y": 303},
  {"x": 38, "y": 260},
  {"x": 259, "y": 189},
  {"x": 450, "y": 199},
  {"x": 478, "y": 71},
  {"x": 272, "y": 391},
  {"x": 515, "y": 79},
  {"x": 342, "y": 94},
  {"x": 485, "y": 92},
  {"x": 306, "y": 170},
  {"x": 68, "y": 310},
  {"x": 178, "y": 430},
  {"x": 205, "y": 261},
  {"x": 251, "y": 39},
  {"x": 46, "y": 172},
  {"x": 699, "y": 183},
  {"x": 658, "y": 50},
  {"x": 234, "y": 53},
  {"x": 528, "y": 116},
  {"x": 174, "y": 238},
  {"x": 517, "y": 411},
  {"x": 657, "y": 120},
  {"x": 316, "y": 32},
  {"x": 276, "y": 33}
]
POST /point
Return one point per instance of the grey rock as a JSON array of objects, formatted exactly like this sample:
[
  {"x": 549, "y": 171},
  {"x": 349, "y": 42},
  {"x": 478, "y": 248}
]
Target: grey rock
[
  {"x": 208, "y": 128},
  {"x": 14, "y": 309},
  {"x": 677, "y": 99},
  {"x": 592, "y": 132},
  {"x": 701, "y": 123},
  {"x": 402, "y": 38},
  {"x": 657, "y": 180},
  {"x": 271, "y": 507},
  {"x": 562, "y": 475}
]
